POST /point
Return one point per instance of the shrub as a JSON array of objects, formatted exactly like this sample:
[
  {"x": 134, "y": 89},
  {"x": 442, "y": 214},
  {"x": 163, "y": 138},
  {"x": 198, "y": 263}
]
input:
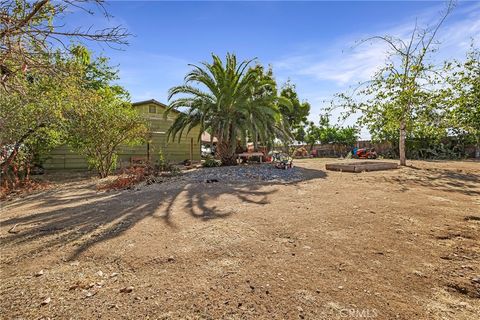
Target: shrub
[
  {"x": 163, "y": 165},
  {"x": 133, "y": 175},
  {"x": 211, "y": 162}
]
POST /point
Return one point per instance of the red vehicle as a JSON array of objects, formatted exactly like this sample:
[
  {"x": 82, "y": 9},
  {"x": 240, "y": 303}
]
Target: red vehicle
[{"x": 364, "y": 153}]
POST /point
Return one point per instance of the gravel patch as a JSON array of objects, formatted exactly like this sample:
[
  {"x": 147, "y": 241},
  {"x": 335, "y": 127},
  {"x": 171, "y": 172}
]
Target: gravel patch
[{"x": 244, "y": 173}]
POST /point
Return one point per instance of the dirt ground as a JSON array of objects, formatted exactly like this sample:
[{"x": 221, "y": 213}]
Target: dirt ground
[{"x": 398, "y": 244}]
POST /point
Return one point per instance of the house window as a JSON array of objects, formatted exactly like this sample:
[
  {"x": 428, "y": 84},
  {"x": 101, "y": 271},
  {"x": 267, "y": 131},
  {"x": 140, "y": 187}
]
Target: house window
[{"x": 152, "y": 109}]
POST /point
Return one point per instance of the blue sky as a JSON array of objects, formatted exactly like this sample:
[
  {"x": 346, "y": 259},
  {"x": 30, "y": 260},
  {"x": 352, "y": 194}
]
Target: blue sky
[{"x": 310, "y": 43}]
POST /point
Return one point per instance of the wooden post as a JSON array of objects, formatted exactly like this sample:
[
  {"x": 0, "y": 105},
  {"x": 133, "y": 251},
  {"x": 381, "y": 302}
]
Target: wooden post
[
  {"x": 191, "y": 149},
  {"x": 402, "y": 151},
  {"x": 148, "y": 151}
]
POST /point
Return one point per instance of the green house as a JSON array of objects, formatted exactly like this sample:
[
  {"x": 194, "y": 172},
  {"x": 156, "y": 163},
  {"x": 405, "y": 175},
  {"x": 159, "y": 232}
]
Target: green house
[{"x": 188, "y": 148}]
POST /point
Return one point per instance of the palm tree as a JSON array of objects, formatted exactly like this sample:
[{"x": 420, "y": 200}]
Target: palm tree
[{"x": 232, "y": 101}]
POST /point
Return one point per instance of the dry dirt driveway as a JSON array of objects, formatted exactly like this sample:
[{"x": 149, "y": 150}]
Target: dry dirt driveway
[{"x": 399, "y": 244}]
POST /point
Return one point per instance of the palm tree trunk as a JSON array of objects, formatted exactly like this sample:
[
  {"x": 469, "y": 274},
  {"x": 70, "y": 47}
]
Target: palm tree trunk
[{"x": 226, "y": 156}]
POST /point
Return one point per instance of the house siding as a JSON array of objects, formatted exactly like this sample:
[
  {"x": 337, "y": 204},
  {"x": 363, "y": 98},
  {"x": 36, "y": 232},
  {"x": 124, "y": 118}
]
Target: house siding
[{"x": 63, "y": 157}]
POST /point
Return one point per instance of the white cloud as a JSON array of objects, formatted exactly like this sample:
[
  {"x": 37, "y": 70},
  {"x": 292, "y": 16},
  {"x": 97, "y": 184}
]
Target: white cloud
[
  {"x": 321, "y": 72},
  {"x": 346, "y": 62}
]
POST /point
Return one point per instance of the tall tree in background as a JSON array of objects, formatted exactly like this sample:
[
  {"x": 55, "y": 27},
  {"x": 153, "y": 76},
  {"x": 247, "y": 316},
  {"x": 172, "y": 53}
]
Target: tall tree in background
[
  {"x": 399, "y": 91},
  {"x": 296, "y": 115},
  {"x": 266, "y": 92},
  {"x": 463, "y": 97},
  {"x": 326, "y": 133}
]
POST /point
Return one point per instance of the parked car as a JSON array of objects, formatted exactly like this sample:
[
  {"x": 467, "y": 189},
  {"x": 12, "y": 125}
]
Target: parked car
[{"x": 207, "y": 151}]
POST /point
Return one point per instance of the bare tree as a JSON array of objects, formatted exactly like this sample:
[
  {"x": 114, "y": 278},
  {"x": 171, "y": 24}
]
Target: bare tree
[
  {"x": 399, "y": 90},
  {"x": 411, "y": 68},
  {"x": 30, "y": 34}
]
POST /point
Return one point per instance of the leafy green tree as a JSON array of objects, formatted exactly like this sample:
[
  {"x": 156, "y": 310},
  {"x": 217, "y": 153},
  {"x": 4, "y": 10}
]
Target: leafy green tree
[
  {"x": 104, "y": 118},
  {"x": 400, "y": 90},
  {"x": 39, "y": 80},
  {"x": 265, "y": 91},
  {"x": 296, "y": 114},
  {"x": 80, "y": 106},
  {"x": 346, "y": 136},
  {"x": 463, "y": 97},
  {"x": 312, "y": 135},
  {"x": 105, "y": 122},
  {"x": 325, "y": 133},
  {"x": 31, "y": 116},
  {"x": 230, "y": 100}
]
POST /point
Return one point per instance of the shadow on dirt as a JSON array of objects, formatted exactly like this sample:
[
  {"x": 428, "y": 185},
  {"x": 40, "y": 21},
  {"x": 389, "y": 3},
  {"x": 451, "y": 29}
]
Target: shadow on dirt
[
  {"x": 441, "y": 179},
  {"x": 86, "y": 218}
]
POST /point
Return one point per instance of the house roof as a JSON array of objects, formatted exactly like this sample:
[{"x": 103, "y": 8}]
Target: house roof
[
  {"x": 148, "y": 102},
  {"x": 155, "y": 102}
]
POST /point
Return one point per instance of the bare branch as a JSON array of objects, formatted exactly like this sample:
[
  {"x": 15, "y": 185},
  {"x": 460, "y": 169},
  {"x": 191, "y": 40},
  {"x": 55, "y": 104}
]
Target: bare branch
[{"x": 29, "y": 39}]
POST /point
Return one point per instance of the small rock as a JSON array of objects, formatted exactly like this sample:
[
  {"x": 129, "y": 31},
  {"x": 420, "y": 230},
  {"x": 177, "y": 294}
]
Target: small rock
[
  {"x": 340, "y": 287},
  {"x": 73, "y": 287},
  {"x": 126, "y": 289},
  {"x": 418, "y": 273},
  {"x": 171, "y": 259},
  {"x": 300, "y": 309},
  {"x": 99, "y": 273},
  {"x": 113, "y": 275},
  {"x": 75, "y": 263},
  {"x": 46, "y": 301},
  {"x": 477, "y": 280},
  {"x": 39, "y": 273}
]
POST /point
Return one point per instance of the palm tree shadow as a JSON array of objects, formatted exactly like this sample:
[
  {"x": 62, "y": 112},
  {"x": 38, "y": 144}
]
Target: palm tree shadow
[
  {"x": 197, "y": 200},
  {"x": 101, "y": 216}
]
